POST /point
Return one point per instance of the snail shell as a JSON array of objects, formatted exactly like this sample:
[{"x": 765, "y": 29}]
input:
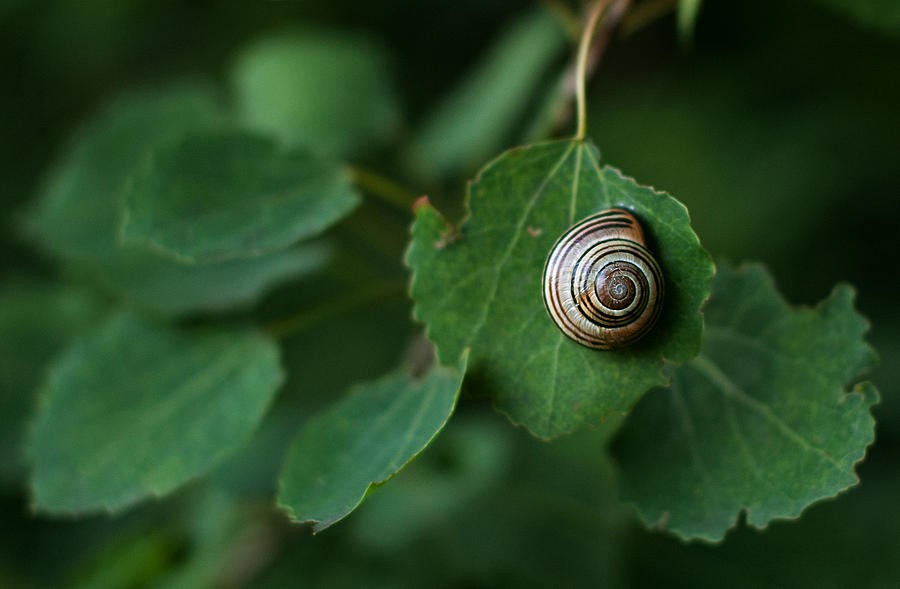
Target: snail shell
[{"x": 601, "y": 285}]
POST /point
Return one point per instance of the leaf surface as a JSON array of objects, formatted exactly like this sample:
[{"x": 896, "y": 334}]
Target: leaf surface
[
  {"x": 222, "y": 195},
  {"x": 315, "y": 353},
  {"x": 77, "y": 210},
  {"x": 161, "y": 284},
  {"x": 481, "y": 287},
  {"x": 77, "y": 213},
  {"x": 362, "y": 441},
  {"x": 479, "y": 115},
  {"x": 327, "y": 92},
  {"x": 136, "y": 409},
  {"x": 36, "y": 321},
  {"x": 760, "y": 421}
]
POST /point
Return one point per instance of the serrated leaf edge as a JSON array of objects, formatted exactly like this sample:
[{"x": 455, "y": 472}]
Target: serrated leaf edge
[
  {"x": 860, "y": 388},
  {"x": 455, "y": 229},
  {"x": 320, "y": 525},
  {"x": 154, "y": 494}
]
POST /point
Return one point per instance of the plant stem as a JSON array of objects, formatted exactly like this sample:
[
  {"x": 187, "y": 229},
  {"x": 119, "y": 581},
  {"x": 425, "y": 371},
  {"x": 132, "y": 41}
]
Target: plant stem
[
  {"x": 581, "y": 64},
  {"x": 355, "y": 299},
  {"x": 382, "y": 188}
]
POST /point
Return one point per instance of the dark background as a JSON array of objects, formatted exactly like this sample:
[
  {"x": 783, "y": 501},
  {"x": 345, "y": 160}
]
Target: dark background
[{"x": 779, "y": 128}]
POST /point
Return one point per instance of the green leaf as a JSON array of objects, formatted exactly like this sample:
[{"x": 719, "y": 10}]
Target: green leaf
[
  {"x": 36, "y": 321},
  {"x": 215, "y": 196},
  {"x": 501, "y": 505},
  {"x": 760, "y": 421},
  {"x": 217, "y": 527},
  {"x": 462, "y": 467},
  {"x": 169, "y": 287},
  {"x": 315, "y": 355},
  {"x": 77, "y": 211},
  {"x": 362, "y": 441},
  {"x": 328, "y": 92},
  {"x": 478, "y": 117},
  {"x": 136, "y": 409},
  {"x": 482, "y": 287}
]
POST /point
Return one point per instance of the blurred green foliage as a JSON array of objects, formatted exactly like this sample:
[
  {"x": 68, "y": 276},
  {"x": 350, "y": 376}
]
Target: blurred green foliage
[{"x": 779, "y": 129}]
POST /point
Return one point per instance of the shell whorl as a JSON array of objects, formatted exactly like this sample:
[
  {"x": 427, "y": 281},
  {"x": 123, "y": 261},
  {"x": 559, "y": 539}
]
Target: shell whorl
[{"x": 601, "y": 285}]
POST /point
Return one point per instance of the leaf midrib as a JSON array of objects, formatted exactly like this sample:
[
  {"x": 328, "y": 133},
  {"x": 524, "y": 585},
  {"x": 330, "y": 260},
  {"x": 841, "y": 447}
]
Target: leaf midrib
[
  {"x": 711, "y": 371},
  {"x": 517, "y": 234}
]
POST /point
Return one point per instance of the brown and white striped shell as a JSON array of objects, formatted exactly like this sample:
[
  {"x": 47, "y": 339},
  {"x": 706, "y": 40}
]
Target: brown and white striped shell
[{"x": 601, "y": 285}]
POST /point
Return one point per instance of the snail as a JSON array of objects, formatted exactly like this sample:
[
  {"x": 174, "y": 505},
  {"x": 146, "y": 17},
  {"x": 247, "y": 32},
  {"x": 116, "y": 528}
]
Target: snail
[{"x": 601, "y": 285}]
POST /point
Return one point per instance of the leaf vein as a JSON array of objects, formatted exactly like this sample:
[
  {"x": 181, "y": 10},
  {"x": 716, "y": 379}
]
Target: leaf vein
[
  {"x": 551, "y": 399},
  {"x": 517, "y": 234},
  {"x": 728, "y": 388},
  {"x": 687, "y": 424}
]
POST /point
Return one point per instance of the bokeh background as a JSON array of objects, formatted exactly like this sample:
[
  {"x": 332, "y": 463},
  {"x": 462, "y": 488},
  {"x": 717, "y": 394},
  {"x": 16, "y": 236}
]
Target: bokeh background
[{"x": 778, "y": 126}]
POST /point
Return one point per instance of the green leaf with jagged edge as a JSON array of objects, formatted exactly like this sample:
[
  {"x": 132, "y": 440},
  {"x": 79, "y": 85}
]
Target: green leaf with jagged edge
[
  {"x": 480, "y": 287},
  {"x": 136, "y": 409},
  {"x": 362, "y": 441},
  {"x": 76, "y": 214},
  {"x": 762, "y": 420},
  {"x": 221, "y": 195},
  {"x": 36, "y": 321},
  {"x": 480, "y": 115},
  {"x": 329, "y": 92},
  {"x": 315, "y": 353}
]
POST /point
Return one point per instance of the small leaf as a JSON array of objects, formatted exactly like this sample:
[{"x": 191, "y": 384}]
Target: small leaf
[
  {"x": 36, "y": 321},
  {"x": 169, "y": 287},
  {"x": 327, "y": 92},
  {"x": 218, "y": 196},
  {"x": 364, "y": 440},
  {"x": 481, "y": 287},
  {"x": 478, "y": 118},
  {"x": 315, "y": 353},
  {"x": 462, "y": 467},
  {"x": 760, "y": 421},
  {"x": 137, "y": 409},
  {"x": 351, "y": 296},
  {"x": 76, "y": 213}
]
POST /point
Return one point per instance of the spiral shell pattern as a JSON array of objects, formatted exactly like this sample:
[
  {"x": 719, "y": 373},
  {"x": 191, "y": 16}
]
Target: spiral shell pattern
[{"x": 601, "y": 285}]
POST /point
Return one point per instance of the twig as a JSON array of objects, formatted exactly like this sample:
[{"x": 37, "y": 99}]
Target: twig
[
  {"x": 357, "y": 298},
  {"x": 384, "y": 189}
]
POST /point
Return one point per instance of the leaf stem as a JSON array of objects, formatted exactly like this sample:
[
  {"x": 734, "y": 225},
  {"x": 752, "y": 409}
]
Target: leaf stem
[
  {"x": 382, "y": 188},
  {"x": 581, "y": 64},
  {"x": 355, "y": 299}
]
